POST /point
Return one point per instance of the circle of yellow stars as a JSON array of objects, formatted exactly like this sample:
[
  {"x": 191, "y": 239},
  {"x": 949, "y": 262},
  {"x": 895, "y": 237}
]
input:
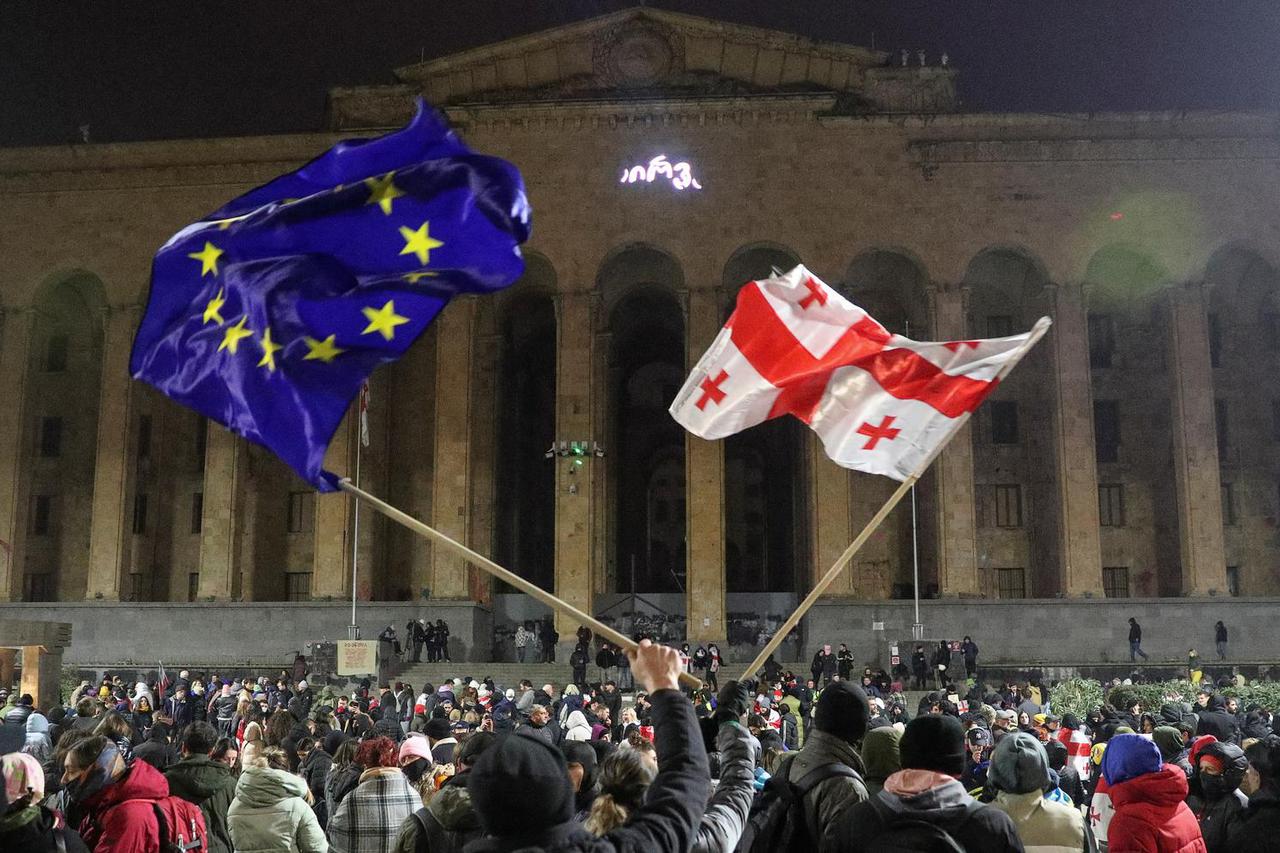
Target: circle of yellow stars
[{"x": 381, "y": 320}]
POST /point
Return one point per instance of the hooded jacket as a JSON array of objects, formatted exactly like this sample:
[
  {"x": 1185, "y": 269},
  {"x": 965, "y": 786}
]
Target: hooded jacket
[
  {"x": 1220, "y": 803},
  {"x": 1150, "y": 815},
  {"x": 1259, "y": 825},
  {"x": 927, "y": 796},
  {"x": 269, "y": 814},
  {"x": 1214, "y": 720},
  {"x": 824, "y": 804},
  {"x": 120, "y": 817},
  {"x": 726, "y": 816},
  {"x": 449, "y": 820},
  {"x": 577, "y": 728},
  {"x": 1019, "y": 773},
  {"x": 211, "y": 785},
  {"x": 881, "y": 756}
]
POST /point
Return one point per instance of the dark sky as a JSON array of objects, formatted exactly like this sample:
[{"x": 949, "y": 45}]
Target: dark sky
[{"x": 182, "y": 68}]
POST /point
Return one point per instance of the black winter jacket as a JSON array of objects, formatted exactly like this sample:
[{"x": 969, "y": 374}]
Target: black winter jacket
[{"x": 1258, "y": 827}]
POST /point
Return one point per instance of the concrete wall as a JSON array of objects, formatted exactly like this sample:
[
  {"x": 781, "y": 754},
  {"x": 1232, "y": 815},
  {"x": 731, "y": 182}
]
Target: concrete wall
[
  {"x": 1054, "y": 630},
  {"x": 202, "y": 633}
]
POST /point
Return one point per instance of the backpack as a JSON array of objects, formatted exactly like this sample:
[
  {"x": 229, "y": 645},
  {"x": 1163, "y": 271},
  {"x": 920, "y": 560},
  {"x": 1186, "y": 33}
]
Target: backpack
[
  {"x": 776, "y": 821},
  {"x": 904, "y": 834},
  {"x": 181, "y": 825}
]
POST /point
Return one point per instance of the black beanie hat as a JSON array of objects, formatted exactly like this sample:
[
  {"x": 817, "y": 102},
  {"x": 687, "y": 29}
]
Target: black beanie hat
[
  {"x": 933, "y": 742},
  {"x": 437, "y": 728},
  {"x": 520, "y": 787},
  {"x": 842, "y": 711}
]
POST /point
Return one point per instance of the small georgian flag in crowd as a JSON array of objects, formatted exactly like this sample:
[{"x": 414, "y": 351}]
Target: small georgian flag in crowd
[{"x": 880, "y": 402}]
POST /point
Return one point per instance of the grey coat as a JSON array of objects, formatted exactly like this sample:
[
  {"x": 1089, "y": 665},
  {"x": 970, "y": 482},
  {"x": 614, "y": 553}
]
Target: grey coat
[{"x": 830, "y": 797}]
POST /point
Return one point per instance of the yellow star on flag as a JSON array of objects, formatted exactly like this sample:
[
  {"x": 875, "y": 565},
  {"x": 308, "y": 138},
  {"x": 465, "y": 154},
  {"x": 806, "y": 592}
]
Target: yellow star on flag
[
  {"x": 208, "y": 258},
  {"x": 224, "y": 224},
  {"x": 382, "y": 192},
  {"x": 322, "y": 350},
  {"x": 415, "y": 277},
  {"x": 419, "y": 242},
  {"x": 384, "y": 320},
  {"x": 211, "y": 311},
  {"x": 269, "y": 350},
  {"x": 231, "y": 337}
]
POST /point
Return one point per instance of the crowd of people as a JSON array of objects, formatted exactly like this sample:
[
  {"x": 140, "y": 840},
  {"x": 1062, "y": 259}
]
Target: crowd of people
[{"x": 838, "y": 761}]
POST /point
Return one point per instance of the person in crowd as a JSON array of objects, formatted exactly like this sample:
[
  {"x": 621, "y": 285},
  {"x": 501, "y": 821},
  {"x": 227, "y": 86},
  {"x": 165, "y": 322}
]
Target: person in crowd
[
  {"x": 1259, "y": 827},
  {"x": 448, "y": 822},
  {"x": 919, "y": 667},
  {"x": 208, "y": 784},
  {"x": 1068, "y": 777},
  {"x": 578, "y": 663},
  {"x": 416, "y": 762},
  {"x": 1220, "y": 639},
  {"x": 1220, "y": 769},
  {"x": 1214, "y": 719},
  {"x": 270, "y": 813},
  {"x": 224, "y": 751},
  {"x": 839, "y": 723},
  {"x": 1148, "y": 797},
  {"x": 36, "y": 741},
  {"x": 624, "y": 778},
  {"x": 1135, "y": 640},
  {"x": 924, "y": 802},
  {"x": 369, "y": 818},
  {"x": 313, "y": 767},
  {"x": 537, "y": 726},
  {"x": 20, "y": 710},
  {"x": 880, "y": 756},
  {"x": 969, "y": 650},
  {"x": 344, "y": 775},
  {"x": 25, "y": 824},
  {"x": 179, "y": 709},
  {"x": 142, "y": 717},
  {"x": 581, "y": 763},
  {"x": 156, "y": 749},
  {"x": 1020, "y": 776}
]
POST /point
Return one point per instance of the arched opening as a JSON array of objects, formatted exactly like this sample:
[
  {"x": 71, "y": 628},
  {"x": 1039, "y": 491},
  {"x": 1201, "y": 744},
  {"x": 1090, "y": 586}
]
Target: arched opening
[
  {"x": 764, "y": 487},
  {"x": 890, "y": 285},
  {"x": 524, "y": 478},
  {"x": 645, "y": 475},
  {"x": 62, "y": 438}
]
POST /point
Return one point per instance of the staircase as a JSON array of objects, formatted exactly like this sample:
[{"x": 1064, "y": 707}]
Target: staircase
[{"x": 508, "y": 674}]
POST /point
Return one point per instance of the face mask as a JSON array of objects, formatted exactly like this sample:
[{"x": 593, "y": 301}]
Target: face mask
[
  {"x": 1216, "y": 787},
  {"x": 415, "y": 770}
]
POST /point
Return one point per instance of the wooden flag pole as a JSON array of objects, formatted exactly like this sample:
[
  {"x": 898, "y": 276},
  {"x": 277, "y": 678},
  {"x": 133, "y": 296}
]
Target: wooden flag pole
[
  {"x": 829, "y": 577},
  {"x": 603, "y": 630}
]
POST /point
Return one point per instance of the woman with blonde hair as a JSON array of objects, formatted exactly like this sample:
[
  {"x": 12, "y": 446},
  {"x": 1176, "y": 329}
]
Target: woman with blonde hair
[{"x": 624, "y": 777}]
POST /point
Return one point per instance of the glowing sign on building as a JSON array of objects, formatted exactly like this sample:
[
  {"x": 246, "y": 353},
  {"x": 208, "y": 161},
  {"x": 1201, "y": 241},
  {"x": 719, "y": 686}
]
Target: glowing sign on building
[{"x": 680, "y": 174}]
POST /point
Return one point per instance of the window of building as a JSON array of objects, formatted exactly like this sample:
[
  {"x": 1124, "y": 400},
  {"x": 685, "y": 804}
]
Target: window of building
[
  {"x": 297, "y": 586},
  {"x": 1222, "y": 420},
  {"x": 193, "y": 586},
  {"x": 1111, "y": 504},
  {"x": 1102, "y": 340},
  {"x": 1008, "y": 505},
  {"x": 1004, "y": 421},
  {"x": 1215, "y": 341},
  {"x": 139, "y": 514},
  {"x": 51, "y": 437},
  {"x": 999, "y": 326},
  {"x": 1106, "y": 430},
  {"x": 202, "y": 440},
  {"x": 1115, "y": 581},
  {"x": 41, "y": 515},
  {"x": 1011, "y": 583},
  {"x": 197, "y": 512},
  {"x": 144, "y": 437},
  {"x": 301, "y": 512},
  {"x": 1233, "y": 581},
  {"x": 55, "y": 354},
  {"x": 1228, "y": 505},
  {"x": 38, "y": 586}
]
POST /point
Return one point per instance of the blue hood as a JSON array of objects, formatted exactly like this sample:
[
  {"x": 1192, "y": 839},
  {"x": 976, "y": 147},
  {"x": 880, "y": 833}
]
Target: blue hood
[{"x": 1129, "y": 756}]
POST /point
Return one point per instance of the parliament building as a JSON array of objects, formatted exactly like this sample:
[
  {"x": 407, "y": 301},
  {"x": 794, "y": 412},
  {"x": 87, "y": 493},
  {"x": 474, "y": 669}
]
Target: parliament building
[{"x": 1135, "y": 454}]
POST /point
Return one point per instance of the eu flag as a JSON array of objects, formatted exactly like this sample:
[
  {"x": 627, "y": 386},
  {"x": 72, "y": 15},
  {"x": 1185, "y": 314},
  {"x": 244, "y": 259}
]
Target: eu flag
[{"x": 268, "y": 314}]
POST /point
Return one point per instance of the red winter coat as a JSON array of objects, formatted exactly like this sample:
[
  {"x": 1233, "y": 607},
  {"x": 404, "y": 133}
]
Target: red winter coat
[
  {"x": 1151, "y": 816},
  {"x": 112, "y": 825}
]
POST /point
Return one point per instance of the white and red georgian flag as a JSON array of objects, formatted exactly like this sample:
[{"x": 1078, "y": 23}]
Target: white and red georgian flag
[{"x": 880, "y": 402}]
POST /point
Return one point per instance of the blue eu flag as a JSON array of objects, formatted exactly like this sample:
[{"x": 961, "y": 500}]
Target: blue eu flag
[{"x": 268, "y": 315}]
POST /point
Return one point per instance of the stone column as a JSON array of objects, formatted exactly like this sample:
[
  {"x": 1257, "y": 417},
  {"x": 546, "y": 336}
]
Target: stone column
[
  {"x": 830, "y": 509},
  {"x": 15, "y": 344},
  {"x": 1079, "y": 537},
  {"x": 110, "y": 537},
  {"x": 575, "y": 485},
  {"x": 704, "y": 499},
  {"x": 331, "y": 560},
  {"x": 955, "y": 515},
  {"x": 225, "y": 460},
  {"x": 1195, "y": 444},
  {"x": 42, "y": 674},
  {"x": 451, "y": 484}
]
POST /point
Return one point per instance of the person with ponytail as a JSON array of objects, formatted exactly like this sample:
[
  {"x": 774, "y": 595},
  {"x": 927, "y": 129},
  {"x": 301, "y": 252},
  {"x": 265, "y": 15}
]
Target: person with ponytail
[{"x": 624, "y": 778}]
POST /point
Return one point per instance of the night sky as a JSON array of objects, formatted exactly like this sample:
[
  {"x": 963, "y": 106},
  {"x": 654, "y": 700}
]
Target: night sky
[{"x": 184, "y": 68}]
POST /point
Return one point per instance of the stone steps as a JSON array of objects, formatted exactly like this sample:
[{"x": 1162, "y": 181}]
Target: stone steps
[{"x": 509, "y": 674}]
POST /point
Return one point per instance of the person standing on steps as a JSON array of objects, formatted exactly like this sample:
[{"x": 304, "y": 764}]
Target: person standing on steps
[
  {"x": 1135, "y": 640},
  {"x": 1220, "y": 639},
  {"x": 970, "y": 651}
]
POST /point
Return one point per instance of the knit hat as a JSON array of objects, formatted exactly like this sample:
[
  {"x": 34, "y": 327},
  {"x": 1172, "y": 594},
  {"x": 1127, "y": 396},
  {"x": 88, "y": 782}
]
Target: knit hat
[
  {"x": 842, "y": 711},
  {"x": 933, "y": 742},
  {"x": 22, "y": 772},
  {"x": 1019, "y": 765},
  {"x": 436, "y": 728},
  {"x": 415, "y": 746},
  {"x": 533, "y": 769},
  {"x": 1129, "y": 756}
]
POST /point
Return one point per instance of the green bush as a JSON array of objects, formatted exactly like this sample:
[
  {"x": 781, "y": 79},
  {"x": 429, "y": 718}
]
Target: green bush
[
  {"x": 1076, "y": 696},
  {"x": 1079, "y": 695}
]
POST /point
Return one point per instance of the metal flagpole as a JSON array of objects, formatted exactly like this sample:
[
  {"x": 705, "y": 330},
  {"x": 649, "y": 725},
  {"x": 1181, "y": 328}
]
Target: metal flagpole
[{"x": 353, "y": 630}]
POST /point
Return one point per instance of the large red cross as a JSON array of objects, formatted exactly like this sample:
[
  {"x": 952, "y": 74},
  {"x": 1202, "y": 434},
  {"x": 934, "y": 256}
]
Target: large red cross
[
  {"x": 816, "y": 294},
  {"x": 955, "y": 346},
  {"x": 711, "y": 391},
  {"x": 874, "y": 433}
]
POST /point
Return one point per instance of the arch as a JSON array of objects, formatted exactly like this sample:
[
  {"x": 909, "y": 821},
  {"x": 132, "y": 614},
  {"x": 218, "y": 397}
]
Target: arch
[
  {"x": 1242, "y": 280},
  {"x": 755, "y": 261},
  {"x": 74, "y": 284},
  {"x": 1124, "y": 274},
  {"x": 890, "y": 284},
  {"x": 1011, "y": 271},
  {"x": 636, "y": 265}
]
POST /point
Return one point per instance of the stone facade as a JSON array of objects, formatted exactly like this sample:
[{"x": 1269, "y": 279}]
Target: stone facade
[{"x": 1136, "y": 452}]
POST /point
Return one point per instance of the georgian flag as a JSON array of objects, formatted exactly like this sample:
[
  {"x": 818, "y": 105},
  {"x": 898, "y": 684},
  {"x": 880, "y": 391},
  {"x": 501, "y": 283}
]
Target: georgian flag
[{"x": 880, "y": 402}]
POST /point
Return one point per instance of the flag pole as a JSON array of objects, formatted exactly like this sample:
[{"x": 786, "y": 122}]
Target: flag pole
[
  {"x": 353, "y": 630},
  {"x": 482, "y": 562},
  {"x": 1037, "y": 332}
]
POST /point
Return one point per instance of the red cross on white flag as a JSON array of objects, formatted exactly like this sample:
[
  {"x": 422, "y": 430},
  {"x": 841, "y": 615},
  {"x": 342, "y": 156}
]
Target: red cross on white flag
[{"x": 880, "y": 402}]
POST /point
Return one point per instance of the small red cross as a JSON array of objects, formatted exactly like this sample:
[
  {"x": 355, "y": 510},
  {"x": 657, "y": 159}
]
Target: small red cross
[
  {"x": 816, "y": 294},
  {"x": 711, "y": 391},
  {"x": 955, "y": 346},
  {"x": 875, "y": 433}
]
